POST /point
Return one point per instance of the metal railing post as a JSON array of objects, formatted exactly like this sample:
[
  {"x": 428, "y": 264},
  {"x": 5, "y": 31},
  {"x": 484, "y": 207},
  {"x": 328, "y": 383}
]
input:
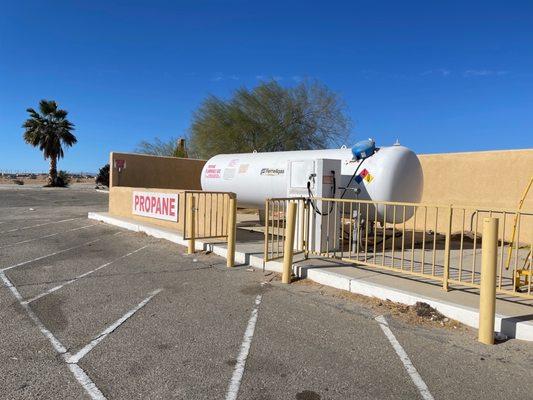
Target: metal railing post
[
  {"x": 191, "y": 218},
  {"x": 446, "y": 272},
  {"x": 487, "y": 298},
  {"x": 267, "y": 222},
  {"x": 301, "y": 224},
  {"x": 289, "y": 243},
  {"x": 232, "y": 231}
]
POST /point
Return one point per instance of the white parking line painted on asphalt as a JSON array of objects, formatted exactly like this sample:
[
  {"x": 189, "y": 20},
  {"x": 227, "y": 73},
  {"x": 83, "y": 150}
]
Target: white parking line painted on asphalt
[
  {"x": 235, "y": 383},
  {"x": 47, "y": 236},
  {"x": 406, "y": 361},
  {"x": 38, "y": 225},
  {"x": 81, "y": 276},
  {"x": 58, "y": 346},
  {"x": 80, "y": 354},
  {"x": 54, "y": 253},
  {"x": 80, "y": 375},
  {"x": 84, "y": 380}
]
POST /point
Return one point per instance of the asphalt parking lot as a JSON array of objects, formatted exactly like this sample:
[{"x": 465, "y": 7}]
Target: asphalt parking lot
[{"x": 88, "y": 310}]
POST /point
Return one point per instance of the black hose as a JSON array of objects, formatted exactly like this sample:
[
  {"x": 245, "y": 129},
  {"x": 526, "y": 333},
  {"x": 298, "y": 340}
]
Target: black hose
[
  {"x": 311, "y": 196},
  {"x": 353, "y": 176}
]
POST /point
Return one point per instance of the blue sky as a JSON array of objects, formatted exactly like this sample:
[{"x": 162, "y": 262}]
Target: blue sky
[{"x": 440, "y": 76}]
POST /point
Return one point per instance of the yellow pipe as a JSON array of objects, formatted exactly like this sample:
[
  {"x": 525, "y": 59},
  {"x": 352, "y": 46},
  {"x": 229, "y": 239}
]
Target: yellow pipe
[
  {"x": 191, "y": 217},
  {"x": 232, "y": 231},
  {"x": 446, "y": 272},
  {"x": 487, "y": 297},
  {"x": 267, "y": 222},
  {"x": 520, "y": 204},
  {"x": 289, "y": 243}
]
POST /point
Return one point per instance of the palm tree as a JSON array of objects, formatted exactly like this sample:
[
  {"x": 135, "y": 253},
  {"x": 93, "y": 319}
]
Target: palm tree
[{"x": 50, "y": 130}]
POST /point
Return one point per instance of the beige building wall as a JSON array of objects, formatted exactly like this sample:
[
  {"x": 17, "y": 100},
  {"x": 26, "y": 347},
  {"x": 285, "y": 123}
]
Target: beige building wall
[
  {"x": 156, "y": 172},
  {"x": 483, "y": 180},
  {"x": 211, "y": 209},
  {"x": 493, "y": 179},
  {"x": 120, "y": 205}
]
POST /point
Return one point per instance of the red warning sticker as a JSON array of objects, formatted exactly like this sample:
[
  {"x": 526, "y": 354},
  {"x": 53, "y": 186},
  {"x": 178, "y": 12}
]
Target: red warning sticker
[{"x": 212, "y": 171}]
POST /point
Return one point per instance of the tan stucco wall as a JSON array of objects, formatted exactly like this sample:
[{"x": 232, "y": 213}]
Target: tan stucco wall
[
  {"x": 211, "y": 209},
  {"x": 493, "y": 179},
  {"x": 484, "y": 179},
  {"x": 156, "y": 172},
  {"x": 120, "y": 205}
]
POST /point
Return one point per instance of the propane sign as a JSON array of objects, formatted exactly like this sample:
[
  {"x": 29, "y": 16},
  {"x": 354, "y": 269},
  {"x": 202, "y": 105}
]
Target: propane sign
[{"x": 156, "y": 205}]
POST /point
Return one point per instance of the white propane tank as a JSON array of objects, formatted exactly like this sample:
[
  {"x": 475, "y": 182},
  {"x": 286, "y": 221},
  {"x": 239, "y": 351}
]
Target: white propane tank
[{"x": 391, "y": 174}]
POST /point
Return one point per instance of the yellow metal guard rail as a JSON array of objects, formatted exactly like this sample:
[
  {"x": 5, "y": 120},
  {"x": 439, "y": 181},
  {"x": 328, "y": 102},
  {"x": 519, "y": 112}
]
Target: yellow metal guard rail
[
  {"x": 210, "y": 214},
  {"x": 275, "y": 218},
  {"x": 437, "y": 242}
]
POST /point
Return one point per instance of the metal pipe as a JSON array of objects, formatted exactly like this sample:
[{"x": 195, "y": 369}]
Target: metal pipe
[
  {"x": 289, "y": 243},
  {"x": 487, "y": 298}
]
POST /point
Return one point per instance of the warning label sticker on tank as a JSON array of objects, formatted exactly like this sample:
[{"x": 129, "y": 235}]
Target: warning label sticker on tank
[
  {"x": 364, "y": 175},
  {"x": 272, "y": 171},
  {"x": 229, "y": 173},
  {"x": 243, "y": 168},
  {"x": 212, "y": 171}
]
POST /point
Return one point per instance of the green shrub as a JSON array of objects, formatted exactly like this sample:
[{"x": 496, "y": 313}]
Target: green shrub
[
  {"x": 103, "y": 176},
  {"x": 63, "y": 179}
]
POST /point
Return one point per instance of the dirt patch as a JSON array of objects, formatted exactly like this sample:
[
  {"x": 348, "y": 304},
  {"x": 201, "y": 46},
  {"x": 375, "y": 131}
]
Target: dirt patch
[
  {"x": 272, "y": 277},
  {"x": 231, "y": 362},
  {"x": 254, "y": 290},
  {"x": 420, "y": 313},
  {"x": 308, "y": 395},
  {"x": 424, "y": 310}
]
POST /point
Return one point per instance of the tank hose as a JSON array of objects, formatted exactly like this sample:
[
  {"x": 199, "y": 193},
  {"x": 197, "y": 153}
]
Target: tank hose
[
  {"x": 333, "y": 190},
  {"x": 353, "y": 176}
]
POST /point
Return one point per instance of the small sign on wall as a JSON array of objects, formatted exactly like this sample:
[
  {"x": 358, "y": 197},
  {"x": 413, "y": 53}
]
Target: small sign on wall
[
  {"x": 156, "y": 205},
  {"x": 120, "y": 165}
]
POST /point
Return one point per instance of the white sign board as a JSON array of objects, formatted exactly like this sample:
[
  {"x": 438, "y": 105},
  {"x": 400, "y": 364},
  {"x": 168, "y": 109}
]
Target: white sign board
[{"x": 155, "y": 205}]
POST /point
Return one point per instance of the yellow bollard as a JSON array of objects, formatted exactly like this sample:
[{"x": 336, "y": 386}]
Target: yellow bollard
[
  {"x": 191, "y": 218},
  {"x": 487, "y": 297},
  {"x": 289, "y": 243},
  {"x": 232, "y": 231}
]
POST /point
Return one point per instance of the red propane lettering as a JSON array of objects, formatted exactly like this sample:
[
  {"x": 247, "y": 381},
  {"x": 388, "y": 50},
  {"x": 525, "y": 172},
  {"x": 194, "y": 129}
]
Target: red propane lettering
[
  {"x": 172, "y": 210},
  {"x": 155, "y": 205}
]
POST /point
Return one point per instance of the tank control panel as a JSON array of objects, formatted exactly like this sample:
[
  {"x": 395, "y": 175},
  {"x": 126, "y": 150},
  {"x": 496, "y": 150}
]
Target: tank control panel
[{"x": 316, "y": 179}]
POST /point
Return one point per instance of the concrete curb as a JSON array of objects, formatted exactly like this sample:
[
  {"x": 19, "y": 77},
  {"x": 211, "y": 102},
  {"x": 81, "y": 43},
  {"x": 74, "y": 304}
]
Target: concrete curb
[{"x": 510, "y": 326}]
